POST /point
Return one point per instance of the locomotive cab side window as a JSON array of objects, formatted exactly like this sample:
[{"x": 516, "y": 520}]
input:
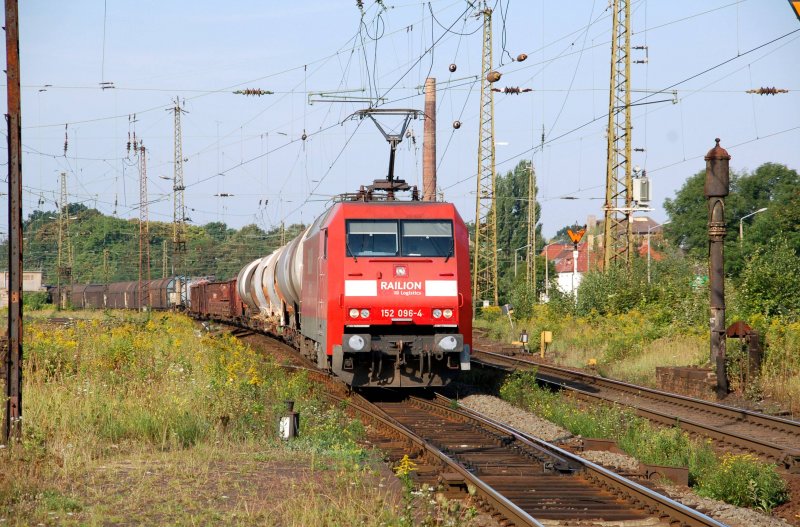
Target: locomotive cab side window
[
  {"x": 427, "y": 238},
  {"x": 371, "y": 238}
]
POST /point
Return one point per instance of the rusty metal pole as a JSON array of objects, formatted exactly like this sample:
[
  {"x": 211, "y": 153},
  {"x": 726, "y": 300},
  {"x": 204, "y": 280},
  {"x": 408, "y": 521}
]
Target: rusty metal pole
[
  {"x": 716, "y": 188},
  {"x": 429, "y": 143},
  {"x": 12, "y": 424}
]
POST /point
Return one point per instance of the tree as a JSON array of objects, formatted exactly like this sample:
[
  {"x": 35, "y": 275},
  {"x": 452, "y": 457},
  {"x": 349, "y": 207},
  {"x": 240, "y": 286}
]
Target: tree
[
  {"x": 217, "y": 230},
  {"x": 213, "y": 249},
  {"x": 688, "y": 216},
  {"x": 771, "y": 280},
  {"x": 512, "y": 202},
  {"x": 771, "y": 185},
  {"x": 562, "y": 236}
]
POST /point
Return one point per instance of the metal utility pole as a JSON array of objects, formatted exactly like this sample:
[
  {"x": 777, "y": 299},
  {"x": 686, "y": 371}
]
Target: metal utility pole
[
  {"x": 530, "y": 267},
  {"x": 144, "y": 231},
  {"x": 429, "y": 143},
  {"x": 12, "y": 424},
  {"x": 64, "y": 263},
  {"x": 105, "y": 267},
  {"x": 484, "y": 268},
  {"x": 164, "y": 259},
  {"x": 179, "y": 209},
  {"x": 617, "y": 229},
  {"x": 716, "y": 188}
]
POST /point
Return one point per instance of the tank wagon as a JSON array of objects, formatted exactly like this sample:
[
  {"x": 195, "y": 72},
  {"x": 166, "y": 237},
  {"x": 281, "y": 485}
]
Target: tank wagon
[{"x": 378, "y": 292}]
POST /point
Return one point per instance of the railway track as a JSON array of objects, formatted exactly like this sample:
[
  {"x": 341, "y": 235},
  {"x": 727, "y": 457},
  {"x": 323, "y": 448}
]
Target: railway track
[
  {"x": 519, "y": 479},
  {"x": 772, "y": 438}
]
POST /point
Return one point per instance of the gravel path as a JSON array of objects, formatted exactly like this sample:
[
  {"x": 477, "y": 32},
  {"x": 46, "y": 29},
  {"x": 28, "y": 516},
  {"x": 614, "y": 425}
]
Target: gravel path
[{"x": 527, "y": 422}]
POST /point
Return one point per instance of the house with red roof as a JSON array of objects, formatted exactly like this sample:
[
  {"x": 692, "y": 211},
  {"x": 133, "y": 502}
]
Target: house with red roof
[{"x": 570, "y": 264}]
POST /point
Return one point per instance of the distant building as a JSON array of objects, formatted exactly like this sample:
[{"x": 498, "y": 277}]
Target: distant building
[
  {"x": 590, "y": 251},
  {"x": 31, "y": 283},
  {"x": 568, "y": 275},
  {"x": 641, "y": 226}
]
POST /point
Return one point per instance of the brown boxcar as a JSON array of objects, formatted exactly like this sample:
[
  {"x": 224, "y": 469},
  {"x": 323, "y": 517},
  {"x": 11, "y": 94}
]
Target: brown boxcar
[
  {"x": 93, "y": 296},
  {"x": 123, "y": 295},
  {"x": 159, "y": 293},
  {"x": 216, "y": 300}
]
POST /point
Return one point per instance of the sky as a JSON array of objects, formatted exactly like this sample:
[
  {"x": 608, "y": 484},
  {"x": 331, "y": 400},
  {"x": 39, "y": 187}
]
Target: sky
[{"x": 312, "y": 54}]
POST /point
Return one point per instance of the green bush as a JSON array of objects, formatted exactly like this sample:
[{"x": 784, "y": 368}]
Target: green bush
[
  {"x": 489, "y": 313},
  {"x": 523, "y": 299},
  {"x": 34, "y": 301},
  {"x": 742, "y": 480},
  {"x": 612, "y": 292}
]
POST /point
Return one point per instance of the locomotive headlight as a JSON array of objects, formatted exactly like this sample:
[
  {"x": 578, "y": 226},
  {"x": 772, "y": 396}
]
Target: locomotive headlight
[
  {"x": 365, "y": 313},
  {"x": 448, "y": 343},
  {"x": 437, "y": 313},
  {"x": 356, "y": 342},
  {"x": 448, "y": 313},
  {"x": 354, "y": 313}
]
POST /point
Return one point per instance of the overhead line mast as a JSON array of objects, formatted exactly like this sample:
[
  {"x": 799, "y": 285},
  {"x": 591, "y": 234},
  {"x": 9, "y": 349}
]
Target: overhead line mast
[
  {"x": 484, "y": 268},
  {"x": 64, "y": 265},
  {"x": 617, "y": 229},
  {"x": 144, "y": 231},
  {"x": 179, "y": 208},
  {"x": 530, "y": 267}
]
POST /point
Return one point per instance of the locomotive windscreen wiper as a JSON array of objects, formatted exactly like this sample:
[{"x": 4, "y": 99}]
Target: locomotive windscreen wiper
[
  {"x": 347, "y": 246},
  {"x": 450, "y": 252}
]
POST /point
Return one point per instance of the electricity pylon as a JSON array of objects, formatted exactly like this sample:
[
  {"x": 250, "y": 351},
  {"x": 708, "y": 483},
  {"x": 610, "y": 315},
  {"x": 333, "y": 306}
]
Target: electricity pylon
[
  {"x": 484, "y": 268},
  {"x": 617, "y": 229}
]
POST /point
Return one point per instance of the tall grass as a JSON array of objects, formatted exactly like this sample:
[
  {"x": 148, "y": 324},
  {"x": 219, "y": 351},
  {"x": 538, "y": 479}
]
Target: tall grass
[
  {"x": 780, "y": 373},
  {"x": 630, "y": 346},
  {"x": 625, "y": 346},
  {"x": 143, "y": 380},
  {"x": 118, "y": 389}
]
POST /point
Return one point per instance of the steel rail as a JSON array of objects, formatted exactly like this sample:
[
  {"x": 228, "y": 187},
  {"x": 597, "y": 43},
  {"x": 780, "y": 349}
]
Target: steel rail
[
  {"x": 787, "y": 457},
  {"x": 652, "y": 500},
  {"x": 513, "y": 514}
]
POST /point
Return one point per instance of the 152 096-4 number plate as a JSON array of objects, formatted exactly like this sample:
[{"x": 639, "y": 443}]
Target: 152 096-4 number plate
[{"x": 401, "y": 313}]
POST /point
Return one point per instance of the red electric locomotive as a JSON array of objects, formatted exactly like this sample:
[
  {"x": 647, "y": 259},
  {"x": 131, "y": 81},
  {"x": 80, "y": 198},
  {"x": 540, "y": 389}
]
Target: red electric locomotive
[
  {"x": 376, "y": 290},
  {"x": 386, "y": 295}
]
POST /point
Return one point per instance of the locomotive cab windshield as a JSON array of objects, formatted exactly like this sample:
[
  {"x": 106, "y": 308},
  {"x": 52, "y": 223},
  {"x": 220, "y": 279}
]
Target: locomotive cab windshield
[{"x": 409, "y": 238}]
